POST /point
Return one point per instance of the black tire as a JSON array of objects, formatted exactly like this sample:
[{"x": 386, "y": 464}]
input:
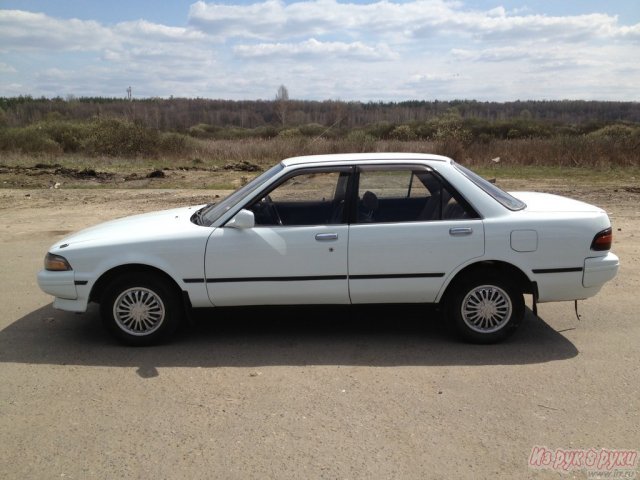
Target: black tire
[
  {"x": 141, "y": 309},
  {"x": 485, "y": 308}
]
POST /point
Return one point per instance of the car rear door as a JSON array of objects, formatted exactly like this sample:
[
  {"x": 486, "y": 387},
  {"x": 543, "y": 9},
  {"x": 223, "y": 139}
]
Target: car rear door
[{"x": 409, "y": 230}]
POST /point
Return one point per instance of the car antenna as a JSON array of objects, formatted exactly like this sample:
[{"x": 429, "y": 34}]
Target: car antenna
[{"x": 315, "y": 139}]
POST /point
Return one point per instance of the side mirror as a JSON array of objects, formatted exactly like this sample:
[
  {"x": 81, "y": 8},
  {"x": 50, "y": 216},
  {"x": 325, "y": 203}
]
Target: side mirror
[{"x": 243, "y": 219}]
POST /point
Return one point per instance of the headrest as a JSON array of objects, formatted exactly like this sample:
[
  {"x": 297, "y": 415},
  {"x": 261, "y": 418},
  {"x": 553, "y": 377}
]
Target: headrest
[{"x": 370, "y": 200}]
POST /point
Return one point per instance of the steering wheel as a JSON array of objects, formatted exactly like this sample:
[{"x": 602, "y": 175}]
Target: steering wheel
[{"x": 273, "y": 211}]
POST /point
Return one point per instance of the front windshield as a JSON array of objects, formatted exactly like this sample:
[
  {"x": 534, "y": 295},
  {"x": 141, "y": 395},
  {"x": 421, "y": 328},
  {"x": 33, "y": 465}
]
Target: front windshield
[
  {"x": 499, "y": 195},
  {"x": 211, "y": 213}
]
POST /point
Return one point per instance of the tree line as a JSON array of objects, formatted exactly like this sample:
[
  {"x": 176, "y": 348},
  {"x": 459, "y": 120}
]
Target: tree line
[{"x": 181, "y": 114}]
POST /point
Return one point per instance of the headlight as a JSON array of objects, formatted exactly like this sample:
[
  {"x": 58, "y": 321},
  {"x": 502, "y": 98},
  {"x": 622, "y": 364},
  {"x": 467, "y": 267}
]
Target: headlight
[{"x": 56, "y": 263}]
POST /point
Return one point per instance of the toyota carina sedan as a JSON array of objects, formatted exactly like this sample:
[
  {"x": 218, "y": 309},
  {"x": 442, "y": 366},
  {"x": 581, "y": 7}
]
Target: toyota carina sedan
[{"x": 340, "y": 229}]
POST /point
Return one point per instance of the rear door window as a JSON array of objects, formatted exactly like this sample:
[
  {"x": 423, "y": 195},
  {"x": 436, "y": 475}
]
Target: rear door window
[{"x": 406, "y": 195}]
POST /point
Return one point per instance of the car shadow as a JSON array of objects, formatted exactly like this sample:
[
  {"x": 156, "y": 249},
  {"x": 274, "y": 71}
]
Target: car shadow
[{"x": 262, "y": 336}]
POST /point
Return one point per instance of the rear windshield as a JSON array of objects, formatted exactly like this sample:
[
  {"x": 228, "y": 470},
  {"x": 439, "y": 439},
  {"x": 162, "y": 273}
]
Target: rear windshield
[{"x": 506, "y": 200}]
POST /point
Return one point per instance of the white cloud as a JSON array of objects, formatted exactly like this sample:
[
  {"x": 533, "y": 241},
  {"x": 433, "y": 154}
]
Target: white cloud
[
  {"x": 273, "y": 19},
  {"x": 541, "y": 27},
  {"x": 500, "y": 54},
  {"x": 631, "y": 33},
  {"x": 314, "y": 48},
  {"x": 28, "y": 31},
  {"x": 21, "y": 30},
  {"x": 431, "y": 78},
  {"x": 7, "y": 69},
  {"x": 540, "y": 57},
  {"x": 153, "y": 31}
]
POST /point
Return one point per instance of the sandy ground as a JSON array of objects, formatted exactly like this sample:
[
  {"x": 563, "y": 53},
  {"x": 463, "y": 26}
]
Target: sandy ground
[{"x": 303, "y": 393}]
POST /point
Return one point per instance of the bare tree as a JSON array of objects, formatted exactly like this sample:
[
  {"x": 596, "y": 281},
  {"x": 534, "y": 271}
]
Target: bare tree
[{"x": 282, "y": 103}]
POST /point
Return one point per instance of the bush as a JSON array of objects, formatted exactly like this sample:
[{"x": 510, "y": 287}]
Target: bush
[
  {"x": 264, "y": 132},
  {"x": 202, "y": 130},
  {"x": 360, "y": 141},
  {"x": 381, "y": 130},
  {"x": 289, "y": 133},
  {"x": 32, "y": 139},
  {"x": 174, "y": 143},
  {"x": 615, "y": 131},
  {"x": 426, "y": 130},
  {"x": 452, "y": 132},
  {"x": 312, "y": 129},
  {"x": 69, "y": 135},
  {"x": 231, "y": 133},
  {"x": 115, "y": 137},
  {"x": 514, "y": 133},
  {"x": 403, "y": 133}
]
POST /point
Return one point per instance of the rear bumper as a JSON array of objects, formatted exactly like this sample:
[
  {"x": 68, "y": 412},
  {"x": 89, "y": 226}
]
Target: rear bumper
[
  {"x": 578, "y": 283},
  {"x": 599, "y": 270}
]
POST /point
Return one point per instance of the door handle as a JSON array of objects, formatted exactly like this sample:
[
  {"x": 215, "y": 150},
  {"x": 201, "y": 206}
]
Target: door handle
[
  {"x": 326, "y": 237},
  {"x": 460, "y": 231}
]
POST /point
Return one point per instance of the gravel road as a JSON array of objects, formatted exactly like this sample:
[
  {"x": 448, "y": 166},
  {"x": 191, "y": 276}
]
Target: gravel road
[{"x": 295, "y": 393}]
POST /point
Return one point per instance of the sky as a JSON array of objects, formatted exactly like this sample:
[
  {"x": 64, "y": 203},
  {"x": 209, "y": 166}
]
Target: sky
[{"x": 381, "y": 50}]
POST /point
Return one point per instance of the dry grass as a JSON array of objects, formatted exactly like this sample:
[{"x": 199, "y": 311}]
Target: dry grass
[
  {"x": 560, "y": 151},
  {"x": 215, "y": 163}
]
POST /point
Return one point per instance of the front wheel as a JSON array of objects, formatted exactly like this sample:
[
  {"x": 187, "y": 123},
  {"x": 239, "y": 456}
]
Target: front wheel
[
  {"x": 485, "y": 309},
  {"x": 140, "y": 309}
]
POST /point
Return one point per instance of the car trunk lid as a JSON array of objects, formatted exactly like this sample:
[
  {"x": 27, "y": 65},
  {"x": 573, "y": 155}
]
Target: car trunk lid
[{"x": 546, "y": 202}]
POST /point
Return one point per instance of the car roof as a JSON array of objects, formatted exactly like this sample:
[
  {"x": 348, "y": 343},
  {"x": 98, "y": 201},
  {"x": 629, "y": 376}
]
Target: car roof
[{"x": 360, "y": 157}]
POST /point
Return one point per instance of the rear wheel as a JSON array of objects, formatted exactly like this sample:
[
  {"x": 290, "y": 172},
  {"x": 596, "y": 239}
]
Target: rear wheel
[
  {"x": 140, "y": 309},
  {"x": 485, "y": 308}
]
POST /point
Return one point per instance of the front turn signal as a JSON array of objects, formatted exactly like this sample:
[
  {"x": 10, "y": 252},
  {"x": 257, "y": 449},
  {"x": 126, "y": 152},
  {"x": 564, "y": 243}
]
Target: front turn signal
[{"x": 56, "y": 263}]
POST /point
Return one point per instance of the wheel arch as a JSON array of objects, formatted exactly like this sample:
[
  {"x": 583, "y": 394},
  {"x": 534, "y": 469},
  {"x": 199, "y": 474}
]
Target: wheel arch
[
  {"x": 105, "y": 279},
  {"x": 494, "y": 267}
]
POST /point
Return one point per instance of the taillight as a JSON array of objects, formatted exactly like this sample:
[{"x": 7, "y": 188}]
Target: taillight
[{"x": 602, "y": 240}]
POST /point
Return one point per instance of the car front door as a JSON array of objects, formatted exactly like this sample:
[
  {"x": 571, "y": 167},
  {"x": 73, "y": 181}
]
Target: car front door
[
  {"x": 409, "y": 230},
  {"x": 295, "y": 254}
]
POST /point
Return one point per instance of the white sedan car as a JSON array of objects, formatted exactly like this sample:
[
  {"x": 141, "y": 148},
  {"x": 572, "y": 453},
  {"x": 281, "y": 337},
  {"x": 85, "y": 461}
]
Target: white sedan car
[{"x": 340, "y": 229}]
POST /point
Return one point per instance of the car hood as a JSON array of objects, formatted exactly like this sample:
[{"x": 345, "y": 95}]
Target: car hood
[
  {"x": 135, "y": 228},
  {"x": 546, "y": 202}
]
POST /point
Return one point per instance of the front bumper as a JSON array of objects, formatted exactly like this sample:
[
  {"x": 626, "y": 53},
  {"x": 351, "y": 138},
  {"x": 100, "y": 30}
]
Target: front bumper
[
  {"x": 58, "y": 284},
  {"x": 69, "y": 295}
]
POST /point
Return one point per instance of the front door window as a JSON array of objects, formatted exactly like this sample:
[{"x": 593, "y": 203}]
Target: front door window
[{"x": 311, "y": 198}]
